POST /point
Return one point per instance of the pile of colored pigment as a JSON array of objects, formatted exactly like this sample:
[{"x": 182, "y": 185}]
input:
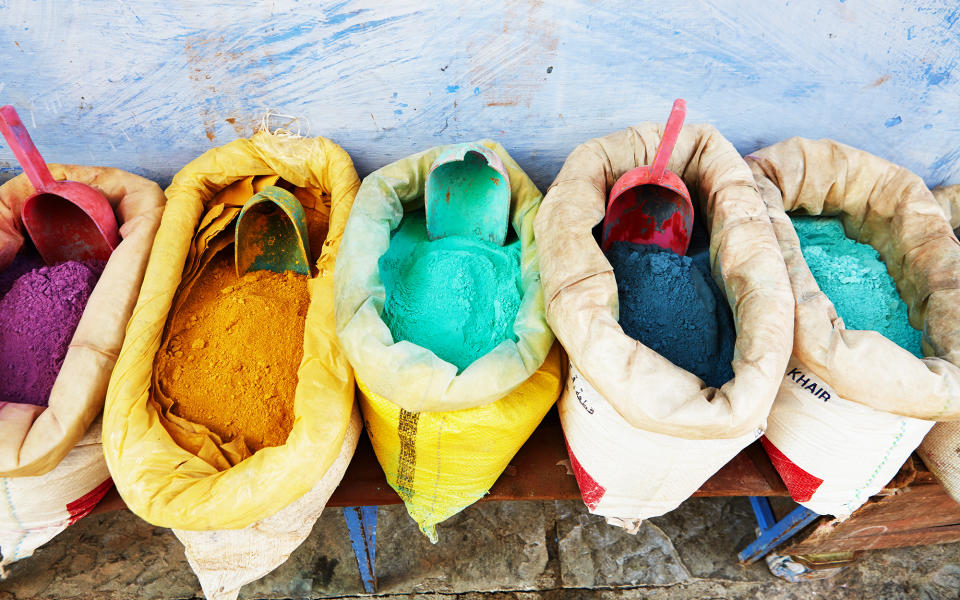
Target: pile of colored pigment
[
  {"x": 855, "y": 279},
  {"x": 455, "y": 296},
  {"x": 38, "y": 315},
  {"x": 230, "y": 360},
  {"x": 670, "y": 303},
  {"x": 27, "y": 259}
]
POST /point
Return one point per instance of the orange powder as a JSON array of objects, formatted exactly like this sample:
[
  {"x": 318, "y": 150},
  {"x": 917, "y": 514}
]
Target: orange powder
[{"x": 231, "y": 357}]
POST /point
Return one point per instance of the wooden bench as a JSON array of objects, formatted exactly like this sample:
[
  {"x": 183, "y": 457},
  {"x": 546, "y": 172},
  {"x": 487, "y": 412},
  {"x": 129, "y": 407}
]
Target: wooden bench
[{"x": 913, "y": 509}]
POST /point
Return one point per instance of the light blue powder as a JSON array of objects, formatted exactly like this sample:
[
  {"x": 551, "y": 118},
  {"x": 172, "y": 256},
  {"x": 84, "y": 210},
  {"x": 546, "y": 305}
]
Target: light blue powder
[{"x": 855, "y": 279}]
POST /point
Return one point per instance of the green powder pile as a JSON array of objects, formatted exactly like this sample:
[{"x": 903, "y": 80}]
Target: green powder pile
[
  {"x": 855, "y": 279},
  {"x": 455, "y": 296}
]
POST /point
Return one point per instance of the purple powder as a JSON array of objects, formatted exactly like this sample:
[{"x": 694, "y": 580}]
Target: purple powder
[
  {"x": 37, "y": 319},
  {"x": 26, "y": 260}
]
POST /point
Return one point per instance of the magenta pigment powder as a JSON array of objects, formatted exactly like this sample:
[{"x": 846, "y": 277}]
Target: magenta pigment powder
[{"x": 38, "y": 316}]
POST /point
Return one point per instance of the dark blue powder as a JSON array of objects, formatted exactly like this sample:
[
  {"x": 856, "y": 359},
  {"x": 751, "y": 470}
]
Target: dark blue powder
[{"x": 671, "y": 304}]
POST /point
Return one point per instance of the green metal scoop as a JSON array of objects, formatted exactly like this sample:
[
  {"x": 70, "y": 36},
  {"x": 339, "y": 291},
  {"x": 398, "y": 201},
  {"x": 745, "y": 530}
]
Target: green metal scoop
[
  {"x": 468, "y": 194},
  {"x": 271, "y": 234}
]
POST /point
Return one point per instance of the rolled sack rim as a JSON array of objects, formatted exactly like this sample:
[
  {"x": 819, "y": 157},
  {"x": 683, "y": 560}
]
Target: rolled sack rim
[
  {"x": 38, "y": 444},
  {"x": 650, "y": 392},
  {"x": 167, "y": 485},
  {"x": 411, "y": 376},
  {"x": 875, "y": 200}
]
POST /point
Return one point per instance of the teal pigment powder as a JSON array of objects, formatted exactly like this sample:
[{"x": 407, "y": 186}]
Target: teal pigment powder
[
  {"x": 455, "y": 296},
  {"x": 855, "y": 279},
  {"x": 670, "y": 304}
]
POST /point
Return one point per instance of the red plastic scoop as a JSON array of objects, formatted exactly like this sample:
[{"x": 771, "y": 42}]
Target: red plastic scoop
[
  {"x": 651, "y": 205},
  {"x": 66, "y": 220}
]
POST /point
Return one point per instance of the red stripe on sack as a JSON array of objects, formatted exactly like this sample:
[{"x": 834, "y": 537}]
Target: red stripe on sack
[
  {"x": 591, "y": 491},
  {"x": 82, "y": 506},
  {"x": 802, "y": 485}
]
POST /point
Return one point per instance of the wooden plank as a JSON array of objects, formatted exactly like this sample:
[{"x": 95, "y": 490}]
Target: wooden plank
[
  {"x": 920, "y": 514},
  {"x": 538, "y": 472},
  {"x": 891, "y": 539}
]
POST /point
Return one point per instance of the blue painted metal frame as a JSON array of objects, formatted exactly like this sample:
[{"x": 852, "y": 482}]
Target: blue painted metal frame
[
  {"x": 772, "y": 532},
  {"x": 763, "y": 512},
  {"x": 362, "y": 525}
]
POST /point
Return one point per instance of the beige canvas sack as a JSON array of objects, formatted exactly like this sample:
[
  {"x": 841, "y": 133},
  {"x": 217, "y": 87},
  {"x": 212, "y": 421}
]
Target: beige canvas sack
[
  {"x": 857, "y": 404},
  {"x": 940, "y": 450},
  {"x": 668, "y": 432},
  {"x": 51, "y": 461}
]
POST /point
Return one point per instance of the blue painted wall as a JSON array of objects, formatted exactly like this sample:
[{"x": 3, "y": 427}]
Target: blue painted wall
[{"x": 147, "y": 86}]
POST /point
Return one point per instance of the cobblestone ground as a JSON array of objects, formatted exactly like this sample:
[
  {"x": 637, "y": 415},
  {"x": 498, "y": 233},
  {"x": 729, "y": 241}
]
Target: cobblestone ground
[{"x": 491, "y": 551}]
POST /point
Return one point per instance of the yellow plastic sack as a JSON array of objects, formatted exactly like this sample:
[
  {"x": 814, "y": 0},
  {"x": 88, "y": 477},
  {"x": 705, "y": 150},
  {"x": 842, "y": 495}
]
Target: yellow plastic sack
[
  {"x": 441, "y": 438},
  {"x": 442, "y": 462},
  {"x": 167, "y": 485}
]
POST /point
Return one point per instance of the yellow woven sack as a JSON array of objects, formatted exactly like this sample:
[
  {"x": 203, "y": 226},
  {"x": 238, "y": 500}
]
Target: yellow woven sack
[
  {"x": 441, "y": 438},
  {"x": 160, "y": 481}
]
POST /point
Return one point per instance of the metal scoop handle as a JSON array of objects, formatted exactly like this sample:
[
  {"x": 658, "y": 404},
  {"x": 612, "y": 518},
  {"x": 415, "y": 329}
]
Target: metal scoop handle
[
  {"x": 27, "y": 154},
  {"x": 669, "y": 139}
]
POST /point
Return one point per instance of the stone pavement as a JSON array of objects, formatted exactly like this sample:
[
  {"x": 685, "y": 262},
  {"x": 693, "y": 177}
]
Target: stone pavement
[{"x": 491, "y": 551}]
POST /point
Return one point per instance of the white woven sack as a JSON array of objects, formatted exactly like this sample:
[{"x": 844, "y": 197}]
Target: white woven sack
[
  {"x": 33, "y": 510},
  {"x": 628, "y": 474},
  {"x": 848, "y": 412},
  {"x": 227, "y": 559},
  {"x": 840, "y": 452}
]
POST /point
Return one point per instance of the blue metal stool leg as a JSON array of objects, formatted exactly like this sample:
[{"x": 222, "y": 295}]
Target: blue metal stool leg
[
  {"x": 773, "y": 533},
  {"x": 362, "y": 525},
  {"x": 763, "y": 512}
]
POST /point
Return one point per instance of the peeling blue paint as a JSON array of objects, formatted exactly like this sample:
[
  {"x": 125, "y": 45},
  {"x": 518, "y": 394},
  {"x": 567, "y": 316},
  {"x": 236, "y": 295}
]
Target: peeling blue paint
[
  {"x": 951, "y": 18},
  {"x": 452, "y": 88},
  {"x": 893, "y": 121},
  {"x": 936, "y": 76},
  {"x": 801, "y": 90},
  {"x": 944, "y": 169},
  {"x": 361, "y": 27}
]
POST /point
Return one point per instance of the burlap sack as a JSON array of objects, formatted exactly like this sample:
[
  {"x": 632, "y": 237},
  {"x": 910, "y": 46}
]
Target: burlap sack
[
  {"x": 890, "y": 208},
  {"x": 228, "y": 559},
  {"x": 948, "y": 197},
  {"x": 941, "y": 448},
  {"x": 650, "y": 392},
  {"x": 34, "y": 439}
]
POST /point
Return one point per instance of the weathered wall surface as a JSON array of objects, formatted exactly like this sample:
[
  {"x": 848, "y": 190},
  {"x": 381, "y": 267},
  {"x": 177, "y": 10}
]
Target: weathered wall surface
[{"x": 148, "y": 85}]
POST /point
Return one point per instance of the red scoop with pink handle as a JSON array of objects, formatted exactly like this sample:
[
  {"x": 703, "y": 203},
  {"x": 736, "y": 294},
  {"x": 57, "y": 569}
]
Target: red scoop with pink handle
[
  {"x": 67, "y": 220},
  {"x": 651, "y": 205}
]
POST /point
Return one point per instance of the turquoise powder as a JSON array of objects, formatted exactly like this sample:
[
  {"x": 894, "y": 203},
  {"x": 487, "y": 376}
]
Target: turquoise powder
[
  {"x": 856, "y": 281},
  {"x": 455, "y": 296}
]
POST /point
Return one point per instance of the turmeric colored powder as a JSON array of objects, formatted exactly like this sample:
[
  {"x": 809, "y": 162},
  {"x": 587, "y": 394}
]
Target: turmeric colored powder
[{"x": 232, "y": 352}]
